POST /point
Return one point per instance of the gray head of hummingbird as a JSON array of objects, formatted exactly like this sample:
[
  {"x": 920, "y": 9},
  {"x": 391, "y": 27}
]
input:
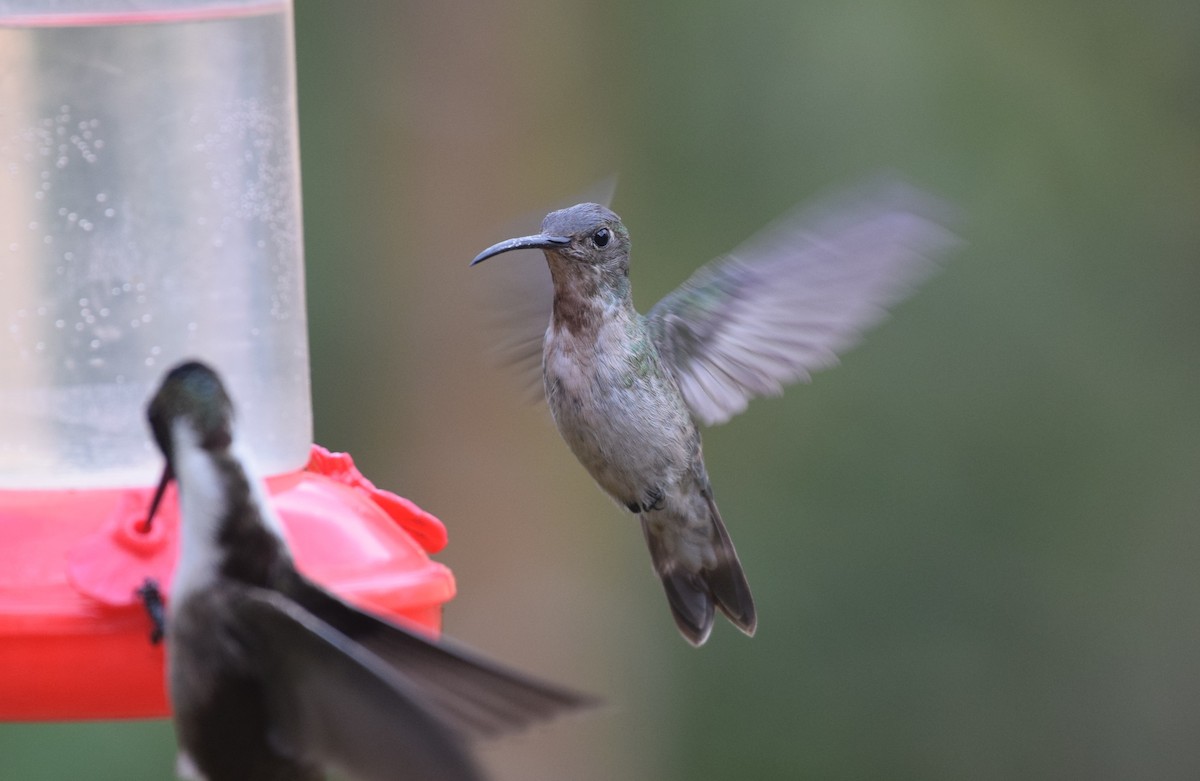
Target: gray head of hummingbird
[
  {"x": 584, "y": 236},
  {"x": 191, "y": 393}
]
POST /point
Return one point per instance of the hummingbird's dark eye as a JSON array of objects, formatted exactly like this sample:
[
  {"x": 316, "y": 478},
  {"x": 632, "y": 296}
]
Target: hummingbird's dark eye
[{"x": 601, "y": 237}]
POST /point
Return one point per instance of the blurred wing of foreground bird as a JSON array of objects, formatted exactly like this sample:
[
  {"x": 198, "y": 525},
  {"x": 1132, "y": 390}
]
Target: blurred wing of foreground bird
[
  {"x": 785, "y": 303},
  {"x": 375, "y": 700},
  {"x": 327, "y": 698},
  {"x": 472, "y": 694}
]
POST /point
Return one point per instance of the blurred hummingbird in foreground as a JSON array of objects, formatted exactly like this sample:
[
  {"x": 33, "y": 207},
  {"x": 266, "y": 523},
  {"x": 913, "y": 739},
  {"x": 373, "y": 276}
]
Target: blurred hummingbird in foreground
[
  {"x": 626, "y": 390},
  {"x": 271, "y": 677}
]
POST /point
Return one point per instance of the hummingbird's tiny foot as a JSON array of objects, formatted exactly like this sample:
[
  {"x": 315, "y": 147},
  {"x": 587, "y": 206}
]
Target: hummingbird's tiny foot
[
  {"x": 151, "y": 597},
  {"x": 654, "y": 501}
]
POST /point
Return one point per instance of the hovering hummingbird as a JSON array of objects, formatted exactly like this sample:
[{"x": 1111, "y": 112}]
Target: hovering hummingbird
[
  {"x": 627, "y": 390},
  {"x": 271, "y": 677}
]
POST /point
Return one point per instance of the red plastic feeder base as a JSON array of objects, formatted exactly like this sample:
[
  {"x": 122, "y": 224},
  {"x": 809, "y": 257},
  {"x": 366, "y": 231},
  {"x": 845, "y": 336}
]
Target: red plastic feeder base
[{"x": 74, "y": 638}]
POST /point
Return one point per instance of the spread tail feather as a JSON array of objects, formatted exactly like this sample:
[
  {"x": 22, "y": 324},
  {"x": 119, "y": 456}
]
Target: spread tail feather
[{"x": 694, "y": 593}]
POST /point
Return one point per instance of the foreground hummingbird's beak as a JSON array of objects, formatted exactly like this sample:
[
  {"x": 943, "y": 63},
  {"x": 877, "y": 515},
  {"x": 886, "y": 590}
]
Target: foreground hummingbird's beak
[
  {"x": 167, "y": 476},
  {"x": 540, "y": 241}
]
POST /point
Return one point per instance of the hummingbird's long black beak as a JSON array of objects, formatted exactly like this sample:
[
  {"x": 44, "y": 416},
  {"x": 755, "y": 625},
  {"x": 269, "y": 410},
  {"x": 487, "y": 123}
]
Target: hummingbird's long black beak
[
  {"x": 540, "y": 241},
  {"x": 167, "y": 476}
]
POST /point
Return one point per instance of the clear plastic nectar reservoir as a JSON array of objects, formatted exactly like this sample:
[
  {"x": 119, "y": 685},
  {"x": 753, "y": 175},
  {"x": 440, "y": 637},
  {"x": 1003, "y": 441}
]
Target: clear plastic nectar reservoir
[{"x": 149, "y": 212}]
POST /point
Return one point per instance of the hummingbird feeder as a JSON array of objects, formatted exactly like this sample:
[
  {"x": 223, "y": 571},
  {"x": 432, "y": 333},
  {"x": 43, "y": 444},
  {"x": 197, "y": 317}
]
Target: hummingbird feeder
[{"x": 150, "y": 212}]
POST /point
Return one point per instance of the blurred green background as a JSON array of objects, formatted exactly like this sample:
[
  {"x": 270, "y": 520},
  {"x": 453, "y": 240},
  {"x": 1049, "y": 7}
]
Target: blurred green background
[{"x": 973, "y": 544}]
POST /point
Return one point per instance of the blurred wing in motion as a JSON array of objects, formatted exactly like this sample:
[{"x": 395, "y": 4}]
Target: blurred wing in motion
[
  {"x": 788, "y": 301},
  {"x": 474, "y": 695},
  {"x": 329, "y": 699}
]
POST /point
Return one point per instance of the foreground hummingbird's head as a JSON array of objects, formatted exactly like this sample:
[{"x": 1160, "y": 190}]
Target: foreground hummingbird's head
[
  {"x": 588, "y": 234},
  {"x": 191, "y": 394}
]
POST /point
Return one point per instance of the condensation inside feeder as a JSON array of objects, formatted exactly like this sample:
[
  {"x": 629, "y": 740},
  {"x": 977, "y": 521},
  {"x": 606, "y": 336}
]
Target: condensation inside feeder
[{"x": 149, "y": 212}]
